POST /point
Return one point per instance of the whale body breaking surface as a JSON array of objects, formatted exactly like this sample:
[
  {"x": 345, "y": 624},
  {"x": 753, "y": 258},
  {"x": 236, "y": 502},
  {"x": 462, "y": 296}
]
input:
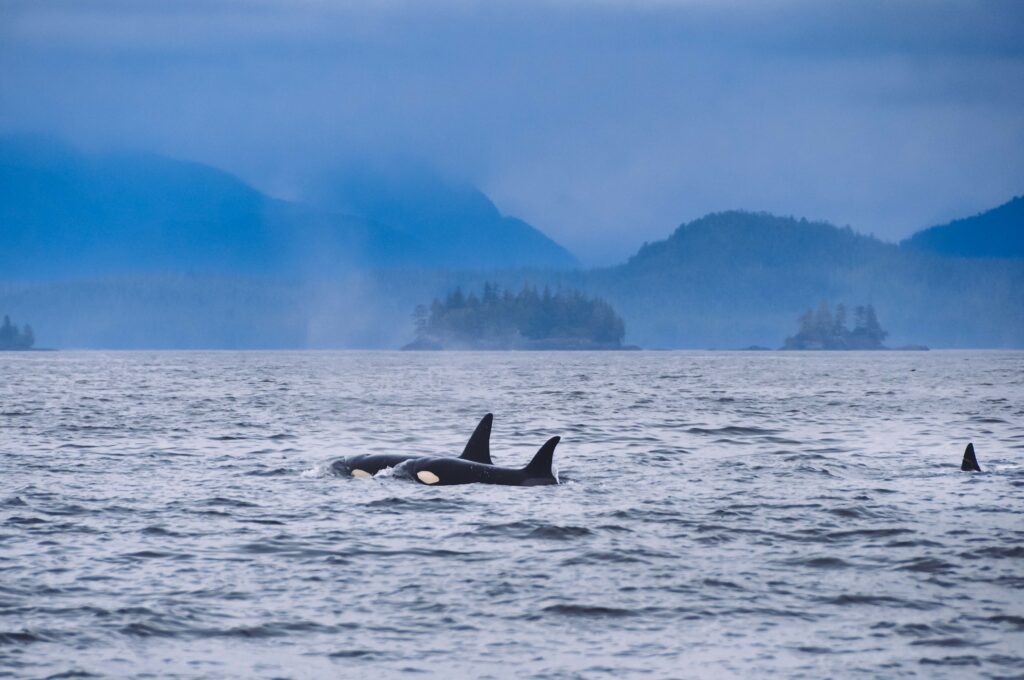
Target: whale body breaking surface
[
  {"x": 473, "y": 466},
  {"x": 452, "y": 471},
  {"x": 363, "y": 466}
]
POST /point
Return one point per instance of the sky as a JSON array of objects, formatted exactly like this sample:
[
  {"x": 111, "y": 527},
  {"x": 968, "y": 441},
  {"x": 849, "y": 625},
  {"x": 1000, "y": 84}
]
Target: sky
[{"x": 604, "y": 123}]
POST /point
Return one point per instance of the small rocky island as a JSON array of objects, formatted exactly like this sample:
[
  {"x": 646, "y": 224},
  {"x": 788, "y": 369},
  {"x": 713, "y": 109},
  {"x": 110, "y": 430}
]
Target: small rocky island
[
  {"x": 823, "y": 329},
  {"x": 528, "y": 320},
  {"x": 13, "y": 339}
]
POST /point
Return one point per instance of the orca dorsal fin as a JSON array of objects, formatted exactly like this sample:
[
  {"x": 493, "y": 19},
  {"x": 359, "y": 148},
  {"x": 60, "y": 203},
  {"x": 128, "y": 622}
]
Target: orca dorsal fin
[
  {"x": 970, "y": 462},
  {"x": 540, "y": 466},
  {"x": 478, "y": 448}
]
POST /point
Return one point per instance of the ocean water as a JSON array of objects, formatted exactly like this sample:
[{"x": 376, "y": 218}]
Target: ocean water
[{"x": 721, "y": 515}]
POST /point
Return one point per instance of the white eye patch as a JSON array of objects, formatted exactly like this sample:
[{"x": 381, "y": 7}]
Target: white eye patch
[
  {"x": 427, "y": 477},
  {"x": 361, "y": 474}
]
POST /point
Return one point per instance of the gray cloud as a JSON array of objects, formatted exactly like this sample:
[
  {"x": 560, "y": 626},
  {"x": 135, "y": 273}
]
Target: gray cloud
[{"x": 605, "y": 124}]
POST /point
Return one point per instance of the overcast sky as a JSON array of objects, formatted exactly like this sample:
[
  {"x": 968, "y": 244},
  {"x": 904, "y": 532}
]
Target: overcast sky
[{"x": 604, "y": 123}]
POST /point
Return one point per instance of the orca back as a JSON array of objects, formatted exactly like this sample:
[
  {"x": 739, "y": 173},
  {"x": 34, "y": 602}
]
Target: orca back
[
  {"x": 450, "y": 471},
  {"x": 368, "y": 464}
]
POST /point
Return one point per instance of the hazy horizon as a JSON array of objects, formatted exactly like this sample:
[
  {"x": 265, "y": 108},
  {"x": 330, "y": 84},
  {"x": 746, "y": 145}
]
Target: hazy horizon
[{"x": 603, "y": 125}]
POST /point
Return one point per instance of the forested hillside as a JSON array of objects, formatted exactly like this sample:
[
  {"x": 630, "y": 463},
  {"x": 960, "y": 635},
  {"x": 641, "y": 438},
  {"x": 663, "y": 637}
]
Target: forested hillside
[
  {"x": 141, "y": 251},
  {"x": 994, "y": 233},
  {"x": 68, "y": 214},
  {"x": 527, "y": 319},
  {"x": 735, "y": 279}
]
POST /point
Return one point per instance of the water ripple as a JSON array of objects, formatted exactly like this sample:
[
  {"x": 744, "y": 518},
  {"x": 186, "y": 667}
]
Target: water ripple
[{"x": 174, "y": 514}]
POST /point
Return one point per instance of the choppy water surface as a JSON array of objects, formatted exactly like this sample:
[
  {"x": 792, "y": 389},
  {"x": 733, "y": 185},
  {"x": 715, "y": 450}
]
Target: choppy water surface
[{"x": 724, "y": 514}]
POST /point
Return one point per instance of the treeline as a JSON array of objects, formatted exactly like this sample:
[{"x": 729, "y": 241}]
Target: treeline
[
  {"x": 736, "y": 279},
  {"x": 823, "y": 329},
  {"x": 12, "y": 338},
  {"x": 501, "y": 319}
]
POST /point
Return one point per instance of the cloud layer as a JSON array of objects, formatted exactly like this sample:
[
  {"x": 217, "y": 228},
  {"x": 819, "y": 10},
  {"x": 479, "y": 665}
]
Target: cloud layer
[{"x": 603, "y": 123}]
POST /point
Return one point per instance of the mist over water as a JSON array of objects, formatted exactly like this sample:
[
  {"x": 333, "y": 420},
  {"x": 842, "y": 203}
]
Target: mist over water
[{"x": 721, "y": 514}]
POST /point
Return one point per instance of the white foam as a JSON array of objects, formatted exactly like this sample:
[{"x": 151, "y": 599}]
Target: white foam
[
  {"x": 384, "y": 473},
  {"x": 318, "y": 470}
]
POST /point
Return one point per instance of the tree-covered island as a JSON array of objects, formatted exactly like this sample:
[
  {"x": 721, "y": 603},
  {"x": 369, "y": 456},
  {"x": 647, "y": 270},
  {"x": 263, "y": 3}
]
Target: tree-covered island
[
  {"x": 11, "y": 338},
  {"x": 531, "y": 320},
  {"x": 823, "y": 329}
]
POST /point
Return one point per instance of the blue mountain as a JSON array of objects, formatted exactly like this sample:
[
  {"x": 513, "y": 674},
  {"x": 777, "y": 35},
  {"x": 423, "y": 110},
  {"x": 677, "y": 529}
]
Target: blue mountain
[
  {"x": 68, "y": 214},
  {"x": 998, "y": 232},
  {"x": 452, "y": 225},
  {"x": 735, "y": 278}
]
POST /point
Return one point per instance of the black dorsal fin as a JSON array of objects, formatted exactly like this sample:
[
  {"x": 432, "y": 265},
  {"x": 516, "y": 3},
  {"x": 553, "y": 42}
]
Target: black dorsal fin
[
  {"x": 540, "y": 466},
  {"x": 970, "y": 462},
  {"x": 478, "y": 448}
]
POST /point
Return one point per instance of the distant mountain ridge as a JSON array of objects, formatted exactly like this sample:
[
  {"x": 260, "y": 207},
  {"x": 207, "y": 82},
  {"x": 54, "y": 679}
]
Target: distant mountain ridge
[
  {"x": 735, "y": 278},
  {"x": 69, "y": 214},
  {"x": 757, "y": 239},
  {"x": 682, "y": 292},
  {"x": 998, "y": 232},
  {"x": 137, "y": 251},
  {"x": 453, "y": 225}
]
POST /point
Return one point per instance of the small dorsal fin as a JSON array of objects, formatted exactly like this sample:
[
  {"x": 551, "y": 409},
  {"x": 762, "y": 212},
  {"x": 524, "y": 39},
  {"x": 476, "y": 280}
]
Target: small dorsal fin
[
  {"x": 478, "y": 448},
  {"x": 540, "y": 466},
  {"x": 970, "y": 462}
]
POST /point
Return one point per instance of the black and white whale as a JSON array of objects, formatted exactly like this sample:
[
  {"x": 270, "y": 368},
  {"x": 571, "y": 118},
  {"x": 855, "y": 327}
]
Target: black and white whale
[
  {"x": 449, "y": 471},
  {"x": 477, "y": 451},
  {"x": 970, "y": 461}
]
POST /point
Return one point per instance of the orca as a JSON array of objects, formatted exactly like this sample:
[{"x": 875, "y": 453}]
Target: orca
[
  {"x": 478, "y": 450},
  {"x": 450, "y": 471},
  {"x": 970, "y": 461}
]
